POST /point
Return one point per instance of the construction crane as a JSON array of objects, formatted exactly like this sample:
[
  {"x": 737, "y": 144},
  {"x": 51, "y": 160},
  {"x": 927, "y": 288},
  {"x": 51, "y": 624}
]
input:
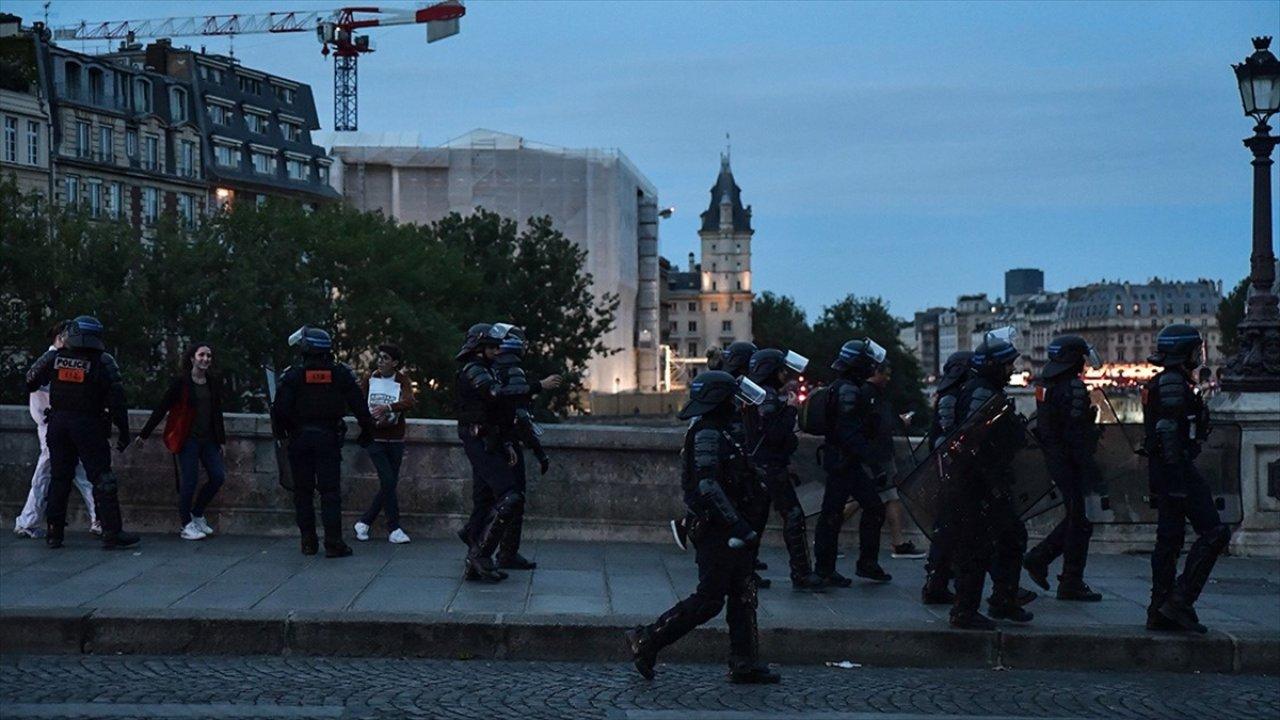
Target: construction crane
[{"x": 335, "y": 29}]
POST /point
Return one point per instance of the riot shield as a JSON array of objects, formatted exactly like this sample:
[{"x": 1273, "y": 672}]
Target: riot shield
[
  {"x": 1125, "y": 496},
  {"x": 921, "y": 491},
  {"x": 281, "y": 447}
]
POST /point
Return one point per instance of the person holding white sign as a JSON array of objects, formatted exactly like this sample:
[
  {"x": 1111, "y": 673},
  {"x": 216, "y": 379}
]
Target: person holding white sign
[{"x": 390, "y": 395}]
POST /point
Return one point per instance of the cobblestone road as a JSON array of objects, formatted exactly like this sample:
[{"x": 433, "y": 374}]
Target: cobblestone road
[{"x": 273, "y": 687}]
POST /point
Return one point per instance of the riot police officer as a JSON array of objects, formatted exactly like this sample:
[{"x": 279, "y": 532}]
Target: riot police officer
[
  {"x": 497, "y": 491},
  {"x": 851, "y": 415},
  {"x": 1176, "y": 422},
  {"x": 308, "y": 410},
  {"x": 985, "y": 512},
  {"x": 771, "y": 437},
  {"x": 1067, "y": 427},
  {"x": 937, "y": 567},
  {"x": 513, "y": 425},
  {"x": 86, "y": 397},
  {"x": 718, "y": 484}
]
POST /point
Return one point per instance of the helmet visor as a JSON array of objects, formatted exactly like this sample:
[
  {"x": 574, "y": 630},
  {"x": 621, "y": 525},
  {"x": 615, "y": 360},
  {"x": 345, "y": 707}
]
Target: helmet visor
[
  {"x": 1008, "y": 334},
  {"x": 297, "y": 335},
  {"x": 499, "y": 330},
  {"x": 1094, "y": 359},
  {"x": 749, "y": 392},
  {"x": 795, "y": 361},
  {"x": 877, "y": 353}
]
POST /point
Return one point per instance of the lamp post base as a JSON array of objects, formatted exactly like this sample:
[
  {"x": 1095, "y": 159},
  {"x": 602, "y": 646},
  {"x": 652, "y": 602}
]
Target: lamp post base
[{"x": 1256, "y": 366}]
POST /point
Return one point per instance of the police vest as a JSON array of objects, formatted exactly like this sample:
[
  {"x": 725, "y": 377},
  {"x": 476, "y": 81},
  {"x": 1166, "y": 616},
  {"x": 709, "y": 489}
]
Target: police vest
[
  {"x": 79, "y": 381},
  {"x": 320, "y": 393}
]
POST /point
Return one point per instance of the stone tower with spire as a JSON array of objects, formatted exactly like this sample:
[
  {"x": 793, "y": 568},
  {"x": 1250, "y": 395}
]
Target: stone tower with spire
[{"x": 710, "y": 304}]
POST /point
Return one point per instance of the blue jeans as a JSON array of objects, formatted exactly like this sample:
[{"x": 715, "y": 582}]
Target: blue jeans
[
  {"x": 386, "y": 457},
  {"x": 193, "y": 454}
]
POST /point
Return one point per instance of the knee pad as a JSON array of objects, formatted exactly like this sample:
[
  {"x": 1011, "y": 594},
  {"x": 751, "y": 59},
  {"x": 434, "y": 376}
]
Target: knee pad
[{"x": 509, "y": 504}]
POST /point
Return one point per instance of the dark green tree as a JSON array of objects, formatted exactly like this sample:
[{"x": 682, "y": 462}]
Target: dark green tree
[{"x": 1230, "y": 313}]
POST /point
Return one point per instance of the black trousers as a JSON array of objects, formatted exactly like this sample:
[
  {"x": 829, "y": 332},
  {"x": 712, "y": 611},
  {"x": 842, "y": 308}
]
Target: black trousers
[
  {"x": 782, "y": 495},
  {"x": 1174, "y": 511},
  {"x": 491, "y": 478},
  {"x": 1070, "y": 537},
  {"x": 985, "y": 534},
  {"x": 315, "y": 458},
  {"x": 844, "y": 482},
  {"x": 725, "y": 581},
  {"x": 74, "y": 438}
]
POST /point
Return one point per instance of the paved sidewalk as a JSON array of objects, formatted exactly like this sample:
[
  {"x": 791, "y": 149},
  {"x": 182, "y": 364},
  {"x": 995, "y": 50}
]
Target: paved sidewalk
[{"x": 592, "y": 584}]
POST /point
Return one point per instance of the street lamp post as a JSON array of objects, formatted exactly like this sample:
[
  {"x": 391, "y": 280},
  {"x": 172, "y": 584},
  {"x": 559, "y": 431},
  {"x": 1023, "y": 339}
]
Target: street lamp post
[{"x": 1256, "y": 365}]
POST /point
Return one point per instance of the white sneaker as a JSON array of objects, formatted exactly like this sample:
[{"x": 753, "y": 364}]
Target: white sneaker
[
  {"x": 202, "y": 524},
  {"x": 34, "y": 533},
  {"x": 362, "y": 531},
  {"x": 95, "y": 527},
  {"x": 398, "y": 537},
  {"x": 192, "y": 532}
]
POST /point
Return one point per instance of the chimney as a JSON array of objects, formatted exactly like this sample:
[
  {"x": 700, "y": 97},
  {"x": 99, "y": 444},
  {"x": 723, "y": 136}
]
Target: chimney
[{"x": 690, "y": 262}]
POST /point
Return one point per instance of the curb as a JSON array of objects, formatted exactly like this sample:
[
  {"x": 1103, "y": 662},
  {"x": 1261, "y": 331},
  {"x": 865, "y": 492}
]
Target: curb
[{"x": 599, "y": 639}]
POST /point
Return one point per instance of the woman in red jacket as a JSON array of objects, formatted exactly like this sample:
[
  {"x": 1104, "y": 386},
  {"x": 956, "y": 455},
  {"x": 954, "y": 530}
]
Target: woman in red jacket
[{"x": 195, "y": 433}]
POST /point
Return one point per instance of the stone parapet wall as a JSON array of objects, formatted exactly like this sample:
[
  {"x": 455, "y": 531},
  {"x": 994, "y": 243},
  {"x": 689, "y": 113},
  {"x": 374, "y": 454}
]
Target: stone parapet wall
[{"x": 605, "y": 483}]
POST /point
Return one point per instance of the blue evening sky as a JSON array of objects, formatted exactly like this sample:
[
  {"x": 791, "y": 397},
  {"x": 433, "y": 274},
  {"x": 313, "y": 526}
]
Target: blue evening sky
[{"x": 908, "y": 150}]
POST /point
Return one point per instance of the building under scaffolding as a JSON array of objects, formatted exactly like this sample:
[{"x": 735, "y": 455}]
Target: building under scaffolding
[{"x": 597, "y": 198}]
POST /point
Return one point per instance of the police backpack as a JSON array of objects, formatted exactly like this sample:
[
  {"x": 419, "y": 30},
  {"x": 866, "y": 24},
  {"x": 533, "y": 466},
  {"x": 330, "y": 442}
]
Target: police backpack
[{"x": 815, "y": 412}]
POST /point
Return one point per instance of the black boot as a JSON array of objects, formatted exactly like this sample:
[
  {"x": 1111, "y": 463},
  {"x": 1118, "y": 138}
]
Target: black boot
[
  {"x": 1003, "y": 605},
  {"x": 1023, "y": 598},
  {"x": 464, "y": 534},
  {"x": 1181, "y": 614},
  {"x": 763, "y": 583},
  {"x": 1077, "y": 590},
  {"x": 310, "y": 545},
  {"x": 119, "y": 540},
  {"x": 971, "y": 620},
  {"x": 935, "y": 590},
  {"x": 337, "y": 549},
  {"x": 54, "y": 537},
  {"x": 509, "y": 557},
  {"x": 835, "y": 579},
  {"x": 1037, "y": 569},
  {"x": 808, "y": 583},
  {"x": 644, "y": 651},
  {"x": 872, "y": 571},
  {"x": 748, "y": 672}
]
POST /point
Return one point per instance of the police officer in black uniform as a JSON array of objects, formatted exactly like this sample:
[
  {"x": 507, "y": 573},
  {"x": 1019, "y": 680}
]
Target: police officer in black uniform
[
  {"x": 937, "y": 567},
  {"x": 771, "y": 437},
  {"x": 1067, "y": 427},
  {"x": 851, "y": 415},
  {"x": 86, "y": 397},
  {"x": 1176, "y": 422},
  {"x": 513, "y": 426},
  {"x": 718, "y": 484},
  {"x": 491, "y": 449},
  {"x": 985, "y": 512},
  {"x": 310, "y": 403}
]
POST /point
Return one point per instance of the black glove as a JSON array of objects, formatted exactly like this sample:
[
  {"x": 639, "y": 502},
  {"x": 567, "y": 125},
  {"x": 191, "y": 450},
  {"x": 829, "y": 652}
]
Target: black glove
[
  {"x": 742, "y": 537},
  {"x": 544, "y": 463},
  {"x": 123, "y": 440}
]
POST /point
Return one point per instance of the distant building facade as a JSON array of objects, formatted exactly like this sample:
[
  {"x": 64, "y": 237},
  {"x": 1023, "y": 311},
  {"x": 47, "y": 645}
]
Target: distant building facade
[
  {"x": 597, "y": 198},
  {"x": 1122, "y": 319},
  {"x": 130, "y": 135},
  {"x": 709, "y": 304}
]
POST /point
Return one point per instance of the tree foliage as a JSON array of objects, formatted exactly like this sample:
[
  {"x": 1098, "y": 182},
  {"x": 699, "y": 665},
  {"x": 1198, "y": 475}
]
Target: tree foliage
[
  {"x": 1230, "y": 313},
  {"x": 779, "y": 322},
  {"x": 244, "y": 279}
]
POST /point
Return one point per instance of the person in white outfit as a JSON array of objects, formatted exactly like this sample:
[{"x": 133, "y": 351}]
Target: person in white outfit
[{"x": 30, "y": 523}]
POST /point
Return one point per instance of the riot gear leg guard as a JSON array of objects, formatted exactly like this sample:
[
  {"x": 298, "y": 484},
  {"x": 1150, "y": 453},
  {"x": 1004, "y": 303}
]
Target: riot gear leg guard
[
  {"x": 106, "y": 502},
  {"x": 480, "y": 557},
  {"x": 1170, "y": 536}
]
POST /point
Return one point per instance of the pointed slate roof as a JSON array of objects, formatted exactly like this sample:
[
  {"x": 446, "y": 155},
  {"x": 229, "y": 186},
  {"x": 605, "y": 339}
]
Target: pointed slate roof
[{"x": 725, "y": 186}]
